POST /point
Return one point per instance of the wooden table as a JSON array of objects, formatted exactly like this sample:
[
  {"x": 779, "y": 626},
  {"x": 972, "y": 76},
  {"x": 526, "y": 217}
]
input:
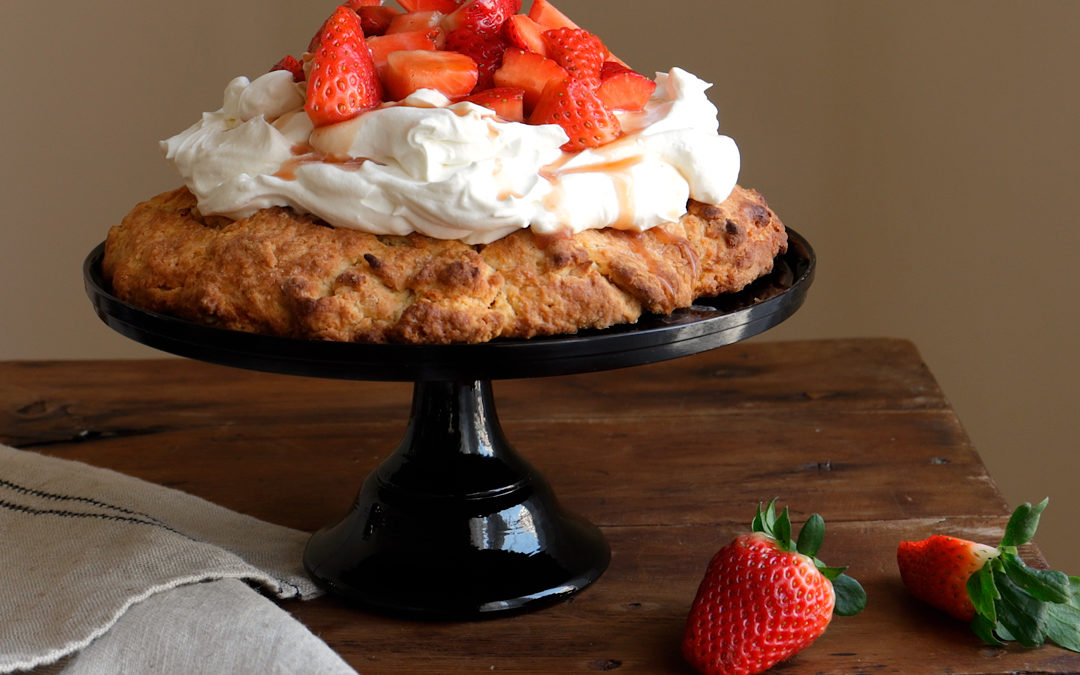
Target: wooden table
[{"x": 668, "y": 459}]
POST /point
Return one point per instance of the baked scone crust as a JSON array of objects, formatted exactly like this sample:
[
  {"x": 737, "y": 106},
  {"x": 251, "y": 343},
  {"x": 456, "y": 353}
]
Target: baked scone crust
[{"x": 282, "y": 273}]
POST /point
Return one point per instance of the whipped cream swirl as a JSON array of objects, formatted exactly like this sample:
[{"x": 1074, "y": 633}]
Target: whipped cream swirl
[{"x": 453, "y": 170}]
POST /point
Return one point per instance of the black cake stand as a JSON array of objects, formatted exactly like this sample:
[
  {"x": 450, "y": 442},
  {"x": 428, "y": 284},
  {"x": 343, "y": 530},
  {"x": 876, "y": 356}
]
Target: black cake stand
[{"x": 455, "y": 524}]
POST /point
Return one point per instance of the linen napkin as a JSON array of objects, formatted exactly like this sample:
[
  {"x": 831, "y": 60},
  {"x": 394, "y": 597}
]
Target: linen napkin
[{"x": 105, "y": 573}]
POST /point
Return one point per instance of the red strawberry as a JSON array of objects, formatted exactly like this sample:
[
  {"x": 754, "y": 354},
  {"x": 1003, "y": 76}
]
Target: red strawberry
[
  {"x": 451, "y": 73},
  {"x": 444, "y": 6},
  {"x": 343, "y": 82},
  {"x": 574, "y": 106},
  {"x": 936, "y": 570},
  {"x": 376, "y": 19},
  {"x": 485, "y": 50},
  {"x": 528, "y": 71},
  {"x": 993, "y": 588},
  {"x": 578, "y": 51},
  {"x": 545, "y": 14},
  {"x": 507, "y": 102},
  {"x": 382, "y": 46},
  {"x": 623, "y": 89},
  {"x": 765, "y": 598},
  {"x": 482, "y": 16},
  {"x": 291, "y": 64},
  {"x": 525, "y": 33},
  {"x": 613, "y": 68},
  {"x": 354, "y": 5}
]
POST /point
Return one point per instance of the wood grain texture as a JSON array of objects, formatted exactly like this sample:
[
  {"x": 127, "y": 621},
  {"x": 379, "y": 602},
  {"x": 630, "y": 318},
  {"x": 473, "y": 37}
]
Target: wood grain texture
[{"x": 668, "y": 459}]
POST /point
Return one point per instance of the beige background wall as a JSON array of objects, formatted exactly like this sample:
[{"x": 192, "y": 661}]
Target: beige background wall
[{"x": 927, "y": 148}]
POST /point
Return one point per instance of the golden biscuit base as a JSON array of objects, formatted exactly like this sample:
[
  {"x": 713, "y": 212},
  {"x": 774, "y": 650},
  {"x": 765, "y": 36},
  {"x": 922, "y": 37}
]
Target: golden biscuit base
[{"x": 282, "y": 273}]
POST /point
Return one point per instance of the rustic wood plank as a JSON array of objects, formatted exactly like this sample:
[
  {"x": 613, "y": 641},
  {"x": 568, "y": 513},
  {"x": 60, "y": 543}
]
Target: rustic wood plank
[
  {"x": 667, "y": 458},
  {"x": 47, "y": 402},
  {"x": 708, "y": 469}
]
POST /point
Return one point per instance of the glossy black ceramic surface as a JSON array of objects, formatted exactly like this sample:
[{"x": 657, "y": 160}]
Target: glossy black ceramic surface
[{"x": 455, "y": 524}]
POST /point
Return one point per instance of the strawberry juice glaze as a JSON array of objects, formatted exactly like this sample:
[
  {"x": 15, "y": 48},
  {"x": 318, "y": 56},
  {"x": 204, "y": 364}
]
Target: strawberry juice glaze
[{"x": 453, "y": 171}]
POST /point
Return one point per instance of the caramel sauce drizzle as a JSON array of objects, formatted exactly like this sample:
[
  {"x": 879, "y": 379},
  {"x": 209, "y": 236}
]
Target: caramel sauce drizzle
[
  {"x": 617, "y": 170},
  {"x": 305, "y": 154}
]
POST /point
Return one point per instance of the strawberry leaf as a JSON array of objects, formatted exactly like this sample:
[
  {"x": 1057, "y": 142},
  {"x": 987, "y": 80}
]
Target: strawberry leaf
[
  {"x": 769, "y": 518},
  {"x": 1063, "y": 626},
  {"x": 985, "y": 629},
  {"x": 1074, "y": 590},
  {"x": 811, "y": 536},
  {"x": 1003, "y": 633},
  {"x": 984, "y": 593},
  {"x": 1023, "y": 523},
  {"x": 1046, "y": 585},
  {"x": 828, "y": 572},
  {"x": 759, "y": 521},
  {"x": 850, "y": 596},
  {"x": 765, "y": 520},
  {"x": 1023, "y": 615},
  {"x": 782, "y": 530}
]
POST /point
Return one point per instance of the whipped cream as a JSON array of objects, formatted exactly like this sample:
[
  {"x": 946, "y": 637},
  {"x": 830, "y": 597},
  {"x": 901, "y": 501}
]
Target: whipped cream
[{"x": 453, "y": 170}]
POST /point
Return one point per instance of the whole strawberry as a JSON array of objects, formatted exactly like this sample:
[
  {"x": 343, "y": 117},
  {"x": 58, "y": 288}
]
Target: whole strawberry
[
  {"x": 993, "y": 588},
  {"x": 765, "y": 598}
]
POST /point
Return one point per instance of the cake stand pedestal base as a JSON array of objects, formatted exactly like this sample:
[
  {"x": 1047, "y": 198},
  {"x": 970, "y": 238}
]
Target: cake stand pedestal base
[{"x": 456, "y": 524}]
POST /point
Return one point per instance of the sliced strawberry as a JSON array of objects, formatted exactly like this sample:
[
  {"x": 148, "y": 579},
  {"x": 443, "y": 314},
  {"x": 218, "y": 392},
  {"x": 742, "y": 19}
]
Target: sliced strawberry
[
  {"x": 525, "y": 33},
  {"x": 291, "y": 64},
  {"x": 528, "y": 71},
  {"x": 578, "y": 51},
  {"x": 343, "y": 81},
  {"x": 612, "y": 68},
  {"x": 414, "y": 21},
  {"x": 623, "y": 89},
  {"x": 444, "y": 6},
  {"x": 485, "y": 50},
  {"x": 545, "y": 14},
  {"x": 383, "y": 45},
  {"x": 1001, "y": 597},
  {"x": 376, "y": 19},
  {"x": 573, "y": 105},
  {"x": 483, "y": 16},
  {"x": 936, "y": 571},
  {"x": 451, "y": 73},
  {"x": 507, "y": 102},
  {"x": 354, "y": 5}
]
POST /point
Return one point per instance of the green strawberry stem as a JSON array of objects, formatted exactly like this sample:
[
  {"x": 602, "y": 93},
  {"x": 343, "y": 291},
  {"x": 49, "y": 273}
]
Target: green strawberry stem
[
  {"x": 850, "y": 595},
  {"x": 1014, "y": 602}
]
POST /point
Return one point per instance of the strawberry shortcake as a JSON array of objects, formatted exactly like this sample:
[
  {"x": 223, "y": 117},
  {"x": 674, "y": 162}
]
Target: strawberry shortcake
[{"x": 446, "y": 171}]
